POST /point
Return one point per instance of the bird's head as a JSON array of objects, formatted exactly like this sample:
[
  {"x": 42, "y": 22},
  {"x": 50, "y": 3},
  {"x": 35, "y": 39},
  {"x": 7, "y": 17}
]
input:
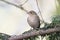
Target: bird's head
[{"x": 32, "y": 13}]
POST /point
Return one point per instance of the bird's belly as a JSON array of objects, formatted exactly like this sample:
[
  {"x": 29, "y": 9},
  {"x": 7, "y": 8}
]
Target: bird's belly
[{"x": 33, "y": 22}]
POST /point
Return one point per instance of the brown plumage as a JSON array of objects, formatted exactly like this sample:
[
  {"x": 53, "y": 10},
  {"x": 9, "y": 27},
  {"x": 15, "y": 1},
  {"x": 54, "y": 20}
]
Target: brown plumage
[{"x": 33, "y": 20}]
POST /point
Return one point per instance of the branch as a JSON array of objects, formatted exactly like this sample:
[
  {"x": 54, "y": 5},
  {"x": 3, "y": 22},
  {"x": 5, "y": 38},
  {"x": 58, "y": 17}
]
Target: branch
[
  {"x": 20, "y": 7},
  {"x": 24, "y": 2},
  {"x": 39, "y": 11},
  {"x": 34, "y": 33}
]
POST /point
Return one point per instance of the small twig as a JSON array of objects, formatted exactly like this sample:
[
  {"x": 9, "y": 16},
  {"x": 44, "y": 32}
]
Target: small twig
[
  {"x": 24, "y": 3},
  {"x": 39, "y": 10},
  {"x": 20, "y": 7}
]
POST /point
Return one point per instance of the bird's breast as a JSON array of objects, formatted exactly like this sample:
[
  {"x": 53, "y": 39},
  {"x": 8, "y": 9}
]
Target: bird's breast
[{"x": 33, "y": 19}]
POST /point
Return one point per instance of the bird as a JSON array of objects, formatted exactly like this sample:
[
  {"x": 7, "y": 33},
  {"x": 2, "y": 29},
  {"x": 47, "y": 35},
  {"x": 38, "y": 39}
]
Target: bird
[{"x": 33, "y": 20}]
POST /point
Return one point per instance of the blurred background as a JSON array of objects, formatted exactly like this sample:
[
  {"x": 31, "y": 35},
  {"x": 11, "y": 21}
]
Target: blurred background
[{"x": 13, "y": 21}]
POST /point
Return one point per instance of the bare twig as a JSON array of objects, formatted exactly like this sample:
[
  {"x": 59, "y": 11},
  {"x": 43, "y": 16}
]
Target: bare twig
[
  {"x": 39, "y": 10},
  {"x": 24, "y": 3},
  {"x": 34, "y": 33},
  {"x": 20, "y": 7}
]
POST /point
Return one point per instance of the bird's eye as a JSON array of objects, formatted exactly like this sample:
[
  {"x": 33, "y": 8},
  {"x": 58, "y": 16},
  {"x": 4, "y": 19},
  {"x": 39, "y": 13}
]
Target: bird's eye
[{"x": 31, "y": 12}]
